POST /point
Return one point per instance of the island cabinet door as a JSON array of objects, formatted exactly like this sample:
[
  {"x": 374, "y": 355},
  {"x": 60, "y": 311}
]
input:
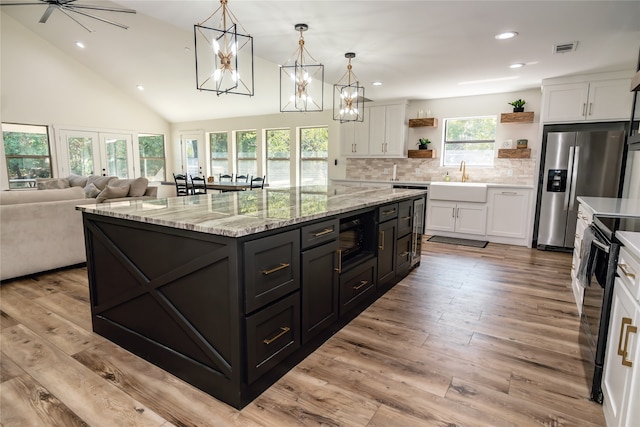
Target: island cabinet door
[
  {"x": 272, "y": 268},
  {"x": 356, "y": 284},
  {"x": 319, "y": 289},
  {"x": 387, "y": 233},
  {"x": 403, "y": 254},
  {"x": 272, "y": 334},
  {"x": 405, "y": 217}
]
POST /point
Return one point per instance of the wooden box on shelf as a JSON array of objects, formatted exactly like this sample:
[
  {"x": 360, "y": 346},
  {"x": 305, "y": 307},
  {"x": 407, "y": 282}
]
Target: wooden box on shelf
[
  {"x": 430, "y": 122},
  {"x": 422, "y": 154},
  {"x": 514, "y": 153},
  {"x": 525, "y": 117}
]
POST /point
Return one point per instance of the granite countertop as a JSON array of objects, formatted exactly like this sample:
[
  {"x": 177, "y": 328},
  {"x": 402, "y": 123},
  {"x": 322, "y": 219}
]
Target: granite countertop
[
  {"x": 612, "y": 207},
  {"x": 240, "y": 213},
  {"x": 427, "y": 183},
  {"x": 630, "y": 240}
]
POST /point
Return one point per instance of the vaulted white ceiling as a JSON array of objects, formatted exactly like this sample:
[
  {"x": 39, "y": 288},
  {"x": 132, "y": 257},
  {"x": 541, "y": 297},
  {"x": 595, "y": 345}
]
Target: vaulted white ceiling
[{"x": 418, "y": 49}]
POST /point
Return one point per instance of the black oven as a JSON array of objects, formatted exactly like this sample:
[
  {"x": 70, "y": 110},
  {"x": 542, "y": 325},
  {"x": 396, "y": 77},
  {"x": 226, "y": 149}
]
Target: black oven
[
  {"x": 596, "y": 305},
  {"x": 355, "y": 243}
]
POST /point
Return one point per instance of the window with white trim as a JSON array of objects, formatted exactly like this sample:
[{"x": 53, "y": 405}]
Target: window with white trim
[
  {"x": 27, "y": 154},
  {"x": 471, "y": 139}
]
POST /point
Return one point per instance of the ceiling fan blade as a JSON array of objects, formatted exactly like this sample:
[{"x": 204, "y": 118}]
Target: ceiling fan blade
[
  {"x": 47, "y": 13},
  {"x": 73, "y": 9},
  {"x": 107, "y": 9},
  {"x": 20, "y": 4},
  {"x": 62, "y": 9}
]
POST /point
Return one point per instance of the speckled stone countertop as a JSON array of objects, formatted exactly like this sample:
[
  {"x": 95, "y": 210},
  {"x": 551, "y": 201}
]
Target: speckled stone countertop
[{"x": 237, "y": 214}]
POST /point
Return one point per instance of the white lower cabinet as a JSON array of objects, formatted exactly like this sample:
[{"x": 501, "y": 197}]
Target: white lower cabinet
[
  {"x": 457, "y": 217},
  {"x": 621, "y": 377},
  {"x": 508, "y": 213}
]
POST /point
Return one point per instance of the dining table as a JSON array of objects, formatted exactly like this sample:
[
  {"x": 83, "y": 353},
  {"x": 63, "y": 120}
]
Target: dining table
[{"x": 228, "y": 186}]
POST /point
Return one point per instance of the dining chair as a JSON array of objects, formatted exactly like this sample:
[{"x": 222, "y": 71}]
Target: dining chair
[
  {"x": 225, "y": 177},
  {"x": 198, "y": 185},
  {"x": 257, "y": 182},
  {"x": 242, "y": 178},
  {"x": 182, "y": 187}
]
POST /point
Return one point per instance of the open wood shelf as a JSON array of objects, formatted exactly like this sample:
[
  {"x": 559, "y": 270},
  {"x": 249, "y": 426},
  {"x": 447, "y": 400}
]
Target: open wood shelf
[
  {"x": 514, "y": 153},
  {"x": 430, "y": 122},
  {"x": 422, "y": 154},
  {"x": 525, "y": 117}
]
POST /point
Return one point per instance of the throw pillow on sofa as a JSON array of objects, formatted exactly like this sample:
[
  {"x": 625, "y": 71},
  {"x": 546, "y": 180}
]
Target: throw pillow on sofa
[
  {"x": 100, "y": 181},
  {"x": 52, "y": 183},
  {"x": 137, "y": 186},
  {"x": 91, "y": 191},
  {"x": 111, "y": 192},
  {"x": 77, "y": 180}
]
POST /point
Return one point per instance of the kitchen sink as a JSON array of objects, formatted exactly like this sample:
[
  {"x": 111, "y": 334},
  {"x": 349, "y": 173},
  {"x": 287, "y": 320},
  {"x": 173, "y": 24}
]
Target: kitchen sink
[{"x": 458, "y": 191}]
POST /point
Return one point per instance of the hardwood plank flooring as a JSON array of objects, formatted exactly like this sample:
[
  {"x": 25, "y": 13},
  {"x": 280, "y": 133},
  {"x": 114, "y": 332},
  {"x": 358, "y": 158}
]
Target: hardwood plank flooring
[{"x": 473, "y": 337}]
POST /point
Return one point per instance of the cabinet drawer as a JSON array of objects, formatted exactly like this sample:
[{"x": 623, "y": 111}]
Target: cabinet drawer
[
  {"x": 319, "y": 233},
  {"x": 629, "y": 272},
  {"x": 355, "y": 284},
  {"x": 387, "y": 212},
  {"x": 405, "y": 217},
  {"x": 272, "y": 268},
  {"x": 272, "y": 335}
]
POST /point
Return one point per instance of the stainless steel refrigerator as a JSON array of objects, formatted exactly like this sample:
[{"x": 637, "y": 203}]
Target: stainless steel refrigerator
[{"x": 579, "y": 160}]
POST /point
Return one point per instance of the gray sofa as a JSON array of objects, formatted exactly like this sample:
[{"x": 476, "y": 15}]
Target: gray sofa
[{"x": 41, "y": 230}]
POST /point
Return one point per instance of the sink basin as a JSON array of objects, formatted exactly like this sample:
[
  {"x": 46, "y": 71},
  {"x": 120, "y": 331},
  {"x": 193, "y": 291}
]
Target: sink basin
[{"x": 458, "y": 191}]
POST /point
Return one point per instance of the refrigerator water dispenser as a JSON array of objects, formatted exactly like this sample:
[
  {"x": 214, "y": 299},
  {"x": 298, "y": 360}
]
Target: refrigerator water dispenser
[{"x": 557, "y": 180}]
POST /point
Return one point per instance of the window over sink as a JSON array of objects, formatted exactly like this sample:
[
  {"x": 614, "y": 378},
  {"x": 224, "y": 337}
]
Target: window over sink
[{"x": 471, "y": 139}]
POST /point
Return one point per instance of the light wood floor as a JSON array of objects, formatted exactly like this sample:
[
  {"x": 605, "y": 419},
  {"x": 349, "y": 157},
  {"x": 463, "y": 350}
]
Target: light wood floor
[{"x": 473, "y": 337}]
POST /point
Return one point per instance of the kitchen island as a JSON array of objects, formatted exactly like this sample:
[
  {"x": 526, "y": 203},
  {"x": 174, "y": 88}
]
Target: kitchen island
[{"x": 229, "y": 291}]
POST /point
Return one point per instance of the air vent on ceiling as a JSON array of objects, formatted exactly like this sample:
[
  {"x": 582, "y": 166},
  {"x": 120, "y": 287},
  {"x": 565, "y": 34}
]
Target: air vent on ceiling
[{"x": 565, "y": 47}]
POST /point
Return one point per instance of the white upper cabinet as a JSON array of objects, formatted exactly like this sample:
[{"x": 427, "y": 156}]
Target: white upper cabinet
[
  {"x": 382, "y": 134},
  {"x": 601, "y": 100}
]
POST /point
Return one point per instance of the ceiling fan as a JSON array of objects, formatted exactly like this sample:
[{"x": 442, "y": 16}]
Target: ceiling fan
[{"x": 67, "y": 7}]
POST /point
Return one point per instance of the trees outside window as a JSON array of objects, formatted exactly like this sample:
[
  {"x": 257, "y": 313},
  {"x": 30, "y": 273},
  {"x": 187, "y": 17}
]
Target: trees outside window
[
  {"x": 27, "y": 153},
  {"x": 219, "y": 149},
  {"x": 470, "y": 139},
  {"x": 152, "y": 157},
  {"x": 314, "y": 153},
  {"x": 278, "y": 157},
  {"x": 247, "y": 158}
]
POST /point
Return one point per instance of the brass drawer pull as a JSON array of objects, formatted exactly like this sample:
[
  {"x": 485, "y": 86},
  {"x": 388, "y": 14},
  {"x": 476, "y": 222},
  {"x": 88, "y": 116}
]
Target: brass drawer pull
[
  {"x": 623, "y": 267},
  {"x": 389, "y": 212},
  {"x": 404, "y": 254},
  {"x": 362, "y": 283},
  {"x": 622, "y": 350},
  {"x": 381, "y": 245},
  {"x": 339, "y": 269},
  {"x": 282, "y": 266},
  {"x": 405, "y": 218},
  {"x": 323, "y": 232},
  {"x": 283, "y": 330}
]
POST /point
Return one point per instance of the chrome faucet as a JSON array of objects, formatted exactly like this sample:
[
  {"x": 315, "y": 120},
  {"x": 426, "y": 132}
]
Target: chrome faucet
[{"x": 463, "y": 169}]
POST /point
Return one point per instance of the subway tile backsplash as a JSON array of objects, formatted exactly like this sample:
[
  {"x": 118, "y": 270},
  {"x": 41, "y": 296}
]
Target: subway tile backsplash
[{"x": 504, "y": 171}]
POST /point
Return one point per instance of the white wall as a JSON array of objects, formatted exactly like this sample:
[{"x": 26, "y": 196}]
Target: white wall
[
  {"x": 482, "y": 105},
  {"x": 42, "y": 85}
]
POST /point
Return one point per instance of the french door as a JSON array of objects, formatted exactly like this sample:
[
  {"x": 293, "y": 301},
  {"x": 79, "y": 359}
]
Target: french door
[
  {"x": 193, "y": 154},
  {"x": 95, "y": 153}
]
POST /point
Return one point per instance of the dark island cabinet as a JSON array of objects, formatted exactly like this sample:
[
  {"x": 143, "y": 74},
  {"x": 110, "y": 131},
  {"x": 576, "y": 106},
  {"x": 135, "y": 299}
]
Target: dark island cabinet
[
  {"x": 319, "y": 290},
  {"x": 231, "y": 315},
  {"x": 272, "y": 268},
  {"x": 356, "y": 284},
  {"x": 387, "y": 236},
  {"x": 405, "y": 217}
]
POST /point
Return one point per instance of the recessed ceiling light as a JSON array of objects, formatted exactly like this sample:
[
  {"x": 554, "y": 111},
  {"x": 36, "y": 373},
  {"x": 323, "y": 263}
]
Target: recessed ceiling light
[
  {"x": 80, "y": 45},
  {"x": 377, "y": 83},
  {"x": 506, "y": 35},
  {"x": 518, "y": 65},
  {"x": 140, "y": 87}
]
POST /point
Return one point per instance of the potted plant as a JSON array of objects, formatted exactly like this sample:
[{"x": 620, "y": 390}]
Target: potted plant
[
  {"x": 423, "y": 143},
  {"x": 518, "y": 105}
]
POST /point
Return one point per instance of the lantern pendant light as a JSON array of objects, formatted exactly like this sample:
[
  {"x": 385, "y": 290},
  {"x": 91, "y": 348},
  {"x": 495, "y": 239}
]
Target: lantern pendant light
[{"x": 348, "y": 96}]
